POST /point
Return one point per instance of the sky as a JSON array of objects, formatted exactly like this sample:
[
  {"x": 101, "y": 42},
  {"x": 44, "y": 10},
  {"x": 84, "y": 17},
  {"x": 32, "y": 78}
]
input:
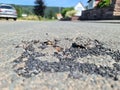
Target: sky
[{"x": 61, "y": 3}]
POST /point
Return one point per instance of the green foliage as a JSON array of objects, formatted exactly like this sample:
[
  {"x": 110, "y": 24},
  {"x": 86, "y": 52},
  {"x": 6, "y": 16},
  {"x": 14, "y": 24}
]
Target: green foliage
[
  {"x": 23, "y": 9},
  {"x": 51, "y": 12},
  {"x": 70, "y": 13},
  {"x": 27, "y": 9},
  {"x": 29, "y": 17},
  {"x": 65, "y": 10},
  {"x": 19, "y": 10},
  {"x": 103, "y": 3}
]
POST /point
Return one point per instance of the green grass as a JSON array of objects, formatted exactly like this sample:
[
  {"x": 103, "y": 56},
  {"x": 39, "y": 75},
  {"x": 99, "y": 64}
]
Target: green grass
[{"x": 35, "y": 18}]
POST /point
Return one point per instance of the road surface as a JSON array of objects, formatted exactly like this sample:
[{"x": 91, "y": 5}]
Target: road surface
[{"x": 13, "y": 32}]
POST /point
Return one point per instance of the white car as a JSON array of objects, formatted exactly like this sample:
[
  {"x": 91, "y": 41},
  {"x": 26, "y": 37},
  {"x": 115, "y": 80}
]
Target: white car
[{"x": 8, "y": 11}]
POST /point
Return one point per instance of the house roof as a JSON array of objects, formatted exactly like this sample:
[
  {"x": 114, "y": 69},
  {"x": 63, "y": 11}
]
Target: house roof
[{"x": 81, "y": 4}]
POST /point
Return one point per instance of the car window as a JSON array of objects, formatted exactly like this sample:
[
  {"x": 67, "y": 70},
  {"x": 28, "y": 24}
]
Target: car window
[{"x": 6, "y": 7}]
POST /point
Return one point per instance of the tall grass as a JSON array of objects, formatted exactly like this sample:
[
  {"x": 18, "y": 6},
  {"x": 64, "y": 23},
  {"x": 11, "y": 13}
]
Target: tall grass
[
  {"x": 34, "y": 17},
  {"x": 30, "y": 17}
]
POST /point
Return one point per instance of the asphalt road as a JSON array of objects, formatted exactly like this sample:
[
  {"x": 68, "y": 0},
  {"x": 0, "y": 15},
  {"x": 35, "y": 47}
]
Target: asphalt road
[
  {"x": 59, "y": 29},
  {"x": 13, "y": 32}
]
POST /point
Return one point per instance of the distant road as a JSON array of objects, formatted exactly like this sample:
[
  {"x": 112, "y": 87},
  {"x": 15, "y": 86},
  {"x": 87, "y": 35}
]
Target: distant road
[{"x": 60, "y": 28}]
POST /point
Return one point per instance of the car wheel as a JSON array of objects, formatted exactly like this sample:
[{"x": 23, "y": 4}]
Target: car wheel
[
  {"x": 14, "y": 19},
  {"x": 7, "y": 18}
]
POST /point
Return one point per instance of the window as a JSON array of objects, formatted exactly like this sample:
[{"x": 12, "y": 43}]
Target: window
[{"x": 6, "y": 7}]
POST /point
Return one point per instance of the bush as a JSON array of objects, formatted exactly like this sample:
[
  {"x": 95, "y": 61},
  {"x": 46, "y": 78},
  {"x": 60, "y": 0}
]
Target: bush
[
  {"x": 65, "y": 10},
  {"x": 30, "y": 17},
  {"x": 70, "y": 13},
  {"x": 35, "y": 17}
]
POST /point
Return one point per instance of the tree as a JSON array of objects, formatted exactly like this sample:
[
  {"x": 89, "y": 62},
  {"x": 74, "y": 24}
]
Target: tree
[
  {"x": 39, "y": 8},
  {"x": 50, "y": 14},
  {"x": 19, "y": 10},
  {"x": 104, "y": 3}
]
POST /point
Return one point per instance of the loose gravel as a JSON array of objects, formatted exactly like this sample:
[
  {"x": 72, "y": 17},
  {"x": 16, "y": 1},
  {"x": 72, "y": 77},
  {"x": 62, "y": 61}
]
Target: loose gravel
[{"x": 32, "y": 64}]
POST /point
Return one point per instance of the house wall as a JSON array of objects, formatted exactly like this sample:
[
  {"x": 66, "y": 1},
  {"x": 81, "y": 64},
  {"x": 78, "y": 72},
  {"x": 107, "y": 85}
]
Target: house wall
[
  {"x": 79, "y": 8},
  {"x": 91, "y": 4},
  {"x": 112, "y": 12},
  {"x": 97, "y": 14},
  {"x": 96, "y": 2},
  {"x": 117, "y": 8}
]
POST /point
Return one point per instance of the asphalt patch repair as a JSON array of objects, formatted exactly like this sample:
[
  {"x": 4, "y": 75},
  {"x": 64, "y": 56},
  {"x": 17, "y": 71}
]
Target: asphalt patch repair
[{"x": 30, "y": 64}]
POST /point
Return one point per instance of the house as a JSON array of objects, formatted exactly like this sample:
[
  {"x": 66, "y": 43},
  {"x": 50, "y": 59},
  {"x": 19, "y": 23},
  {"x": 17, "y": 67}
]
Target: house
[
  {"x": 79, "y": 8},
  {"x": 111, "y": 12},
  {"x": 92, "y": 3}
]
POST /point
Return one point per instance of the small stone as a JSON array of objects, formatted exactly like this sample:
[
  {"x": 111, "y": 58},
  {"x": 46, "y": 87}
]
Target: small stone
[
  {"x": 112, "y": 86},
  {"x": 75, "y": 75},
  {"x": 115, "y": 78},
  {"x": 35, "y": 41},
  {"x": 58, "y": 49},
  {"x": 48, "y": 42}
]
